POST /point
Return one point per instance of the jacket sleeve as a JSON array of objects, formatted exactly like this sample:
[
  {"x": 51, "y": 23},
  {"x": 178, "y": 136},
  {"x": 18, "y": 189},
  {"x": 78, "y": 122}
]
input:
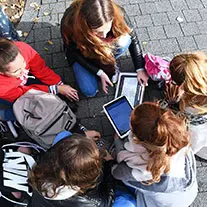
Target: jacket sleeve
[
  {"x": 39, "y": 69},
  {"x": 104, "y": 193},
  {"x": 135, "y": 47},
  {"x": 74, "y": 55},
  {"x": 12, "y": 94}
]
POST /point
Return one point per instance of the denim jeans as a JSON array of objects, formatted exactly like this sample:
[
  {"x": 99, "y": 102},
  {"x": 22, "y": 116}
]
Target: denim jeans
[
  {"x": 7, "y": 29},
  {"x": 87, "y": 81}
]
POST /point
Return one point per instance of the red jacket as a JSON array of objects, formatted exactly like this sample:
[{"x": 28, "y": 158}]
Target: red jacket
[{"x": 12, "y": 88}]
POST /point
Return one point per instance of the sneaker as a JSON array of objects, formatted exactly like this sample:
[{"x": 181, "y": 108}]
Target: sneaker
[{"x": 115, "y": 77}]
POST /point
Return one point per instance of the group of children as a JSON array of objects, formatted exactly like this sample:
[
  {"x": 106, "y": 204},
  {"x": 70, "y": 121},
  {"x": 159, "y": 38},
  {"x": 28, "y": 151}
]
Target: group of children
[{"x": 154, "y": 165}]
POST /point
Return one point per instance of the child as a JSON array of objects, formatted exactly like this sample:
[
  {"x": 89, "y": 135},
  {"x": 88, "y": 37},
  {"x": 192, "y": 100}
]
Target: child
[
  {"x": 17, "y": 60},
  {"x": 156, "y": 159},
  {"x": 189, "y": 73},
  {"x": 96, "y": 33},
  {"x": 70, "y": 174}
]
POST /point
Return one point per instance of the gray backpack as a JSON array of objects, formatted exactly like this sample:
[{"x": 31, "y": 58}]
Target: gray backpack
[{"x": 43, "y": 115}]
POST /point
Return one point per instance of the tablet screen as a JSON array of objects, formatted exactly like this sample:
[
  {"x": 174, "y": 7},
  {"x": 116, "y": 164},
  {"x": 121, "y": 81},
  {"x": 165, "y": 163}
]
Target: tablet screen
[{"x": 119, "y": 112}]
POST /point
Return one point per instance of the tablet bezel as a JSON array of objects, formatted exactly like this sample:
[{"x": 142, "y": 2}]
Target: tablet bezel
[{"x": 109, "y": 117}]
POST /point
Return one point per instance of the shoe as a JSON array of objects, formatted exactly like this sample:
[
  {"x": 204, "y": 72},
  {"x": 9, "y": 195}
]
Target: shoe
[{"x": 115, "y": 77}]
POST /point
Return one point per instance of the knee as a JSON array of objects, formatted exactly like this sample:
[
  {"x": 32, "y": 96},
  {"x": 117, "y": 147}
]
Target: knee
[{"x": 89, "y": 91}]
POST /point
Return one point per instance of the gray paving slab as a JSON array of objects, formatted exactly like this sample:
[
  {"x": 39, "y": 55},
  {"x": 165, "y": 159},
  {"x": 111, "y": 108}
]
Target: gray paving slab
[{"x": 164, "y": 27}]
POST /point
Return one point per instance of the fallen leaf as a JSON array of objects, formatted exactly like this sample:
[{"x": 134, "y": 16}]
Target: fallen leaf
[
  {"x": 25, "y": 34},
  {"x": 50, "y": 42},
  {"x": 35, "y": 6},
  {"x": 47, "y": 13},
  {"x": 144, "y": 43},
  {"x": 46, "y": 49},
  {"x": 35, "y": 20}
]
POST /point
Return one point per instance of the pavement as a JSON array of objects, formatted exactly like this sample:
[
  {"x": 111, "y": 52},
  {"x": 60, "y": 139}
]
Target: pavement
[{"x": 164, "y": 28}]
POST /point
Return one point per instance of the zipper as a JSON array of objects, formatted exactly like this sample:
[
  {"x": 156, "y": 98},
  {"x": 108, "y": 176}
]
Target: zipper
[{"x": 65, "y": 109}]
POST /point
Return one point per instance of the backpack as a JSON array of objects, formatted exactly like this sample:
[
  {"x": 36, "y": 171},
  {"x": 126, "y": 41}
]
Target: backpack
[
  {"x": 157, "y": 68},
  {"x": 43, "y": 115},
  {"x": 14, "y": 167}
]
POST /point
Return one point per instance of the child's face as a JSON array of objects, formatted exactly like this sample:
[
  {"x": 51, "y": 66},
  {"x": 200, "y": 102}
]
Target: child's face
[
  {"x": 103, "y": 30},
  {"x": 16, "y": 67}
]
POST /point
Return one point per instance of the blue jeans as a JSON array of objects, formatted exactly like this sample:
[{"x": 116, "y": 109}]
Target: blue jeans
[
  {"x": 87, "y": 81},
  {"x": 7, "y": 29}
]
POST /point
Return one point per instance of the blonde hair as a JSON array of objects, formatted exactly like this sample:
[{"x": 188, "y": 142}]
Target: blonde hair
[
  {"x": 85, "y": 15},
  {"x": 161, "y": 132},
  {"x": 189, "y": 71}
]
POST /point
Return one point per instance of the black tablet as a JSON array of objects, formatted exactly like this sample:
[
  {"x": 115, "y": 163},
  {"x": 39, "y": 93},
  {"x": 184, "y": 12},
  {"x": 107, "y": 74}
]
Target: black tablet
[{"x": 118, "y": 112}]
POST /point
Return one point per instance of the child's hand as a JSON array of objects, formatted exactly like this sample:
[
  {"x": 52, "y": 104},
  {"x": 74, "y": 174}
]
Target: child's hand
[
  {"x": 105, "y": 82},
  {"x": 108, "y": 156},
  {"x": 69, "y": 92},
  {"x": 142, "y": 77}
]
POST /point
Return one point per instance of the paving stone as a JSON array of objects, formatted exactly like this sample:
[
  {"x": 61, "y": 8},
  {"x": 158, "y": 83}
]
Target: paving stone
[
  {"x": 172, "y": 16},
  {"x": 169, "y": 45},
  {"x": 136, "y": 1},
  {"x": 83, "y": 110},
  {"x": 143, "y": 21},
  {"x": 202, "y": 27},
  {"x": 148, "y": 8},
  {"x": 193, "y": 4},
  {"x": 201, "y": 41},
  {"x": 55, "y": 32},
  {"x": 203, "y": 13},
  {"x": 204, "y": 3},
  {"x": 50, "y": 21},
  {"x": 58, "y": 7},
  {"x": 156, "y": 32},
  {"x": 48, "y": 1},
  {"x": 179, "y": 5},
  {"x": 201, "y": 200},
  {"x": 190, "y": 28},
  {"x": 68, "y": 76},
  {"x": 59, "y": 60},
  {"x": 44, "y": 8},
  {"x": 29, "y": 38},
  {"x": 163, "y": 6},
  {"x": 126, "y": 65},
  {"x": 132, "y": 9},
  {"x": 153, "y": 47},
  {"x": 187, "y": 43},
  {"x": 92, "y": 123},
  {"x": 192, "y": 15},
  {"x": 160, "y": 19},
  {"x": 95, "y": 106},
  {"x": 42, "y": 34},
  {"x": 142, "y": 34},
  {"x": 173, "y": 30},
  {"x": 202, "y": 179}
]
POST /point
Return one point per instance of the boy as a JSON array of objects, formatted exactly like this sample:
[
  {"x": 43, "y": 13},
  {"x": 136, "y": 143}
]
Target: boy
[{"x": 17, "y": 60}]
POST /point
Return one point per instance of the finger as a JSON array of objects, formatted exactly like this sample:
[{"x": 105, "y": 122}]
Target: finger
[
  {"x": 110, "y": 83},
  {"x": 140, "y": 81}
]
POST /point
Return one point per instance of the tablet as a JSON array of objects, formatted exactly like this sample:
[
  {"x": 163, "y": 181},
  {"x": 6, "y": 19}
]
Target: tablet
[
  {"x": 118, "y": 112},
  {"x": 129, "y": 86}
]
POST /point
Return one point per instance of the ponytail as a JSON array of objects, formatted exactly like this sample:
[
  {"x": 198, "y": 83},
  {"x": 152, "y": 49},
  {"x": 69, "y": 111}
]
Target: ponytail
[{"x": 164, "y": 136}]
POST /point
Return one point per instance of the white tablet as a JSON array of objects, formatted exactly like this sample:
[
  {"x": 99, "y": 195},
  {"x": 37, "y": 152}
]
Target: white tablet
[
  {"x": 129, "y": 86},
  {"x": 118, "y": 112}
]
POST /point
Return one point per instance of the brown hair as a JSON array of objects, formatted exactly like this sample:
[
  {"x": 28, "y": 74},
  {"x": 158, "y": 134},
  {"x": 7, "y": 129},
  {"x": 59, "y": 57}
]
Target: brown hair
[
  {"x": 161, "y": 132},
  {"x": 73, "y": 161},
  {"x": 189, "y": 72},
  {"x": 83, "y": 16},
  {"x": 8, "y": 53}
]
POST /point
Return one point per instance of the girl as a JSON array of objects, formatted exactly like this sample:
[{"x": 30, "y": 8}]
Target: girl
[
  {"x": 156, "y": 159},
  {"x": 95, "y": 33},
  {"x": 189, "y": 73},
  {"x": 69, "y": 174}
]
